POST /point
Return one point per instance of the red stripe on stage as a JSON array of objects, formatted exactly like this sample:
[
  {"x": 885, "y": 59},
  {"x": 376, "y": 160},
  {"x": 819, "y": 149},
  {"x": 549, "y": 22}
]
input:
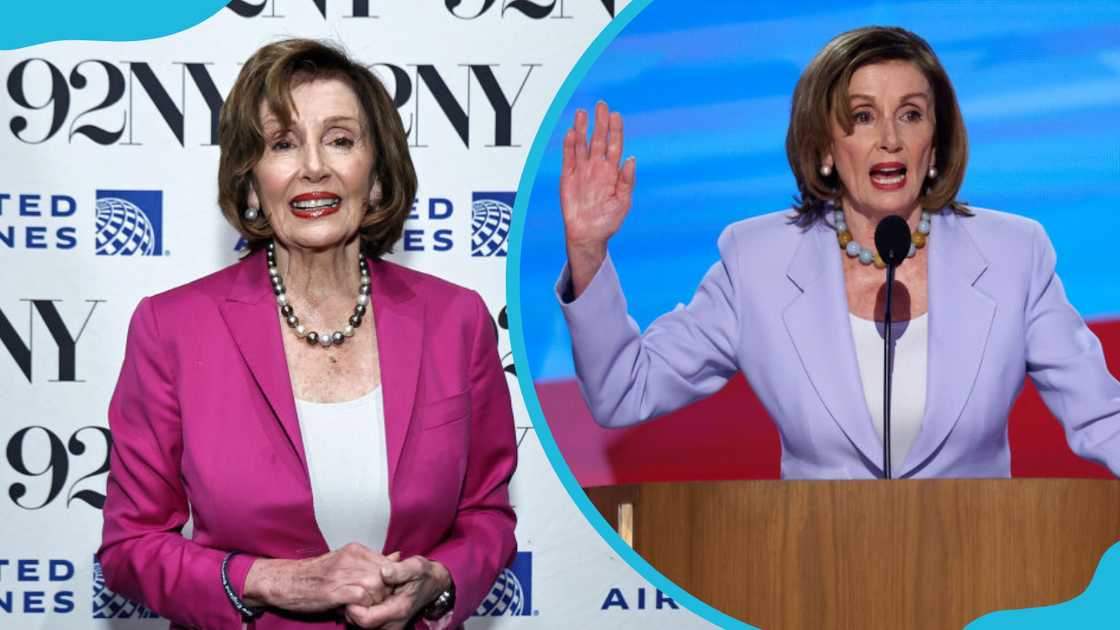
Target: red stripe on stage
[{"x": 730, "y": 436}]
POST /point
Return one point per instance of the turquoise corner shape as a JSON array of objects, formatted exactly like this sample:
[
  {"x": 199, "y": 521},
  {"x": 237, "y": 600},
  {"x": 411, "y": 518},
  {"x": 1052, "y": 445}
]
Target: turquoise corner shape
[
  {"x": 517, "y": 332},
  {"x": 1096, "y": 607},
  {"x": 30, "y": 22}
]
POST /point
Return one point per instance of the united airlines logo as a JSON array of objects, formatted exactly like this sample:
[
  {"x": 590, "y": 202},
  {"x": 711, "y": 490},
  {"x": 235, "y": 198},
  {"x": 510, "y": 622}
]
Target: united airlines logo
[
  {"x": 491, "y": 213},
  {"x": 129, "y": 223},
  {"x": 109, "y": 605},
  {"x": 512, "y": 593}
]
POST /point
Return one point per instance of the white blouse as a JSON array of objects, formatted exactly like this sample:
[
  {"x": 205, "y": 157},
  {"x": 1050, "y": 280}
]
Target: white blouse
[
  {"x": 908, "y": 374},
  {"x": 347, "y": 460}
]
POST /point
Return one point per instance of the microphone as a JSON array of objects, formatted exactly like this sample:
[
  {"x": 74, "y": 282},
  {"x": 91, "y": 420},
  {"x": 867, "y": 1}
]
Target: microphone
[{"x": 892, "y": 240}]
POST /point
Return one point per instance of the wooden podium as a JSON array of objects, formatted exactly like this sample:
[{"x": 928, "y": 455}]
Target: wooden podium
[{"x": 870, "y": 554}]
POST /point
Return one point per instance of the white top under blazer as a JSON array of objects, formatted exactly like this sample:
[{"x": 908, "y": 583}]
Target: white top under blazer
[
  {"x": 908, "y": 374},
  {"x": 347, "y": 460}
]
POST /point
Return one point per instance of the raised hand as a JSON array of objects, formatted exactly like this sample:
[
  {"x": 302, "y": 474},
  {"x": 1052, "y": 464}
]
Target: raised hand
[{"x": 595, "y": 191}]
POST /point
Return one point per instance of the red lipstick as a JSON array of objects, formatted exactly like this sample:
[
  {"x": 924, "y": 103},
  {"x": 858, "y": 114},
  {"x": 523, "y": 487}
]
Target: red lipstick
[
  {"x": 888, "y": 175},
  {"x": 314, "y": 205}
]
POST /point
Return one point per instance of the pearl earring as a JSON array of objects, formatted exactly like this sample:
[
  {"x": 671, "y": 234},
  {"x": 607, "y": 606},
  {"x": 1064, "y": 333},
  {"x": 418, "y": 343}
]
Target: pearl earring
[
  {"x": 826, "y": 170},
  {"x": 251, "y": 214},
  {"x": 932, "y": 172}
]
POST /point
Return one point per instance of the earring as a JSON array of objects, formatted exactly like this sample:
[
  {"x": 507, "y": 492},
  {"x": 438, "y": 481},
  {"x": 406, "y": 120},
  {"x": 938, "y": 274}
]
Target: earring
[
  {"x": 251, "y": 214},
  {"x": 932, "y": 172},
  {"x": 375, "y": 195},
  {"x": 826, "y": 170}
]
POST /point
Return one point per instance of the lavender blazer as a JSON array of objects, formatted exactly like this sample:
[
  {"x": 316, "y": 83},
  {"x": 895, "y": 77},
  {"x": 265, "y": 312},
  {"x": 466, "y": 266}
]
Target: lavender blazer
[
  {"x": 774, "y": 306},
  {"x": 204, "y": 425}
]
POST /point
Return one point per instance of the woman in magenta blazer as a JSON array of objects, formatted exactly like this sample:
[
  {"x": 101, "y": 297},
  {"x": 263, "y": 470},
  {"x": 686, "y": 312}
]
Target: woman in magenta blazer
[{"x": 334, "y": 472}]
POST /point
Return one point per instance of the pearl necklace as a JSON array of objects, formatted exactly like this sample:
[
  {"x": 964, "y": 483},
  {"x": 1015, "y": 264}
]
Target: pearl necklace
[
  {"x": 866, "y": 256},
  {"x": 325, "y": 339}
]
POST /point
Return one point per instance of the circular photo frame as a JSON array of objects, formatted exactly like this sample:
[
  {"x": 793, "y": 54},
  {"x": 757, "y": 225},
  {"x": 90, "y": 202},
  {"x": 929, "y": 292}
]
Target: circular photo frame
[{"x": 706, "y": 100}]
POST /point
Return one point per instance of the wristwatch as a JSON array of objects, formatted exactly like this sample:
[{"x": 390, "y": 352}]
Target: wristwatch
[{"x": 441, "y": 605}]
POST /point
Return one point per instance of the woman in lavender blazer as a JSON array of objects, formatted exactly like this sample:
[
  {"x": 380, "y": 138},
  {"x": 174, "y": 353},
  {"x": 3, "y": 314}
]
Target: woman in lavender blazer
[
  {"x": 337, "y": 427},
  {"x": 875, "y": 130}
]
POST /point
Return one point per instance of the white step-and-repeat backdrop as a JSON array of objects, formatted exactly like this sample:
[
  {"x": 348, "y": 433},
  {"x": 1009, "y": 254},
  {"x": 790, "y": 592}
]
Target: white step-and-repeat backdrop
[{"x": 84, "y": 122}]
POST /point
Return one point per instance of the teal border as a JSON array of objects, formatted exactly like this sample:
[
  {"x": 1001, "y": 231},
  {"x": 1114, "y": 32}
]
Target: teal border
[
  {"x": 1089, "y": 609},
  {"x": 30, "y": 22},
  {"x": 1095, "y": 607},
  {"x": 517, "y": 334}
]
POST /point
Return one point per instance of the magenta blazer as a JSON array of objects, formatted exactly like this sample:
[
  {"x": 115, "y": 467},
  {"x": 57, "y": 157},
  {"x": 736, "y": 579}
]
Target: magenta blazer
[{"x": 204, "y": 428}]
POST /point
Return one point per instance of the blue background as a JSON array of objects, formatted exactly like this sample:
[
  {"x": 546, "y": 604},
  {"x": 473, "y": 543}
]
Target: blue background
[{"x": 705, "y": 92}]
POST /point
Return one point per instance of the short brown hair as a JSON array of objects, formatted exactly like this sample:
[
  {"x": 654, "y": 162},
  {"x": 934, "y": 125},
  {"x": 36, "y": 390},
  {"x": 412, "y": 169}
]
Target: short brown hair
[
  {"x": 268, "y": 77},
  {"x": 822, "y": 93}
]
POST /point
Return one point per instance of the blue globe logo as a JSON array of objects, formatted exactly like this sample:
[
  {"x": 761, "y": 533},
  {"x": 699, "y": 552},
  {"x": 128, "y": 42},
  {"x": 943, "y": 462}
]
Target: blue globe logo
[
  {"x": 506, "y": 597},
  {"x": 109, "y": 605},
  {"x": 490, "y": 221},
  {"x": 123, "y": 229}
]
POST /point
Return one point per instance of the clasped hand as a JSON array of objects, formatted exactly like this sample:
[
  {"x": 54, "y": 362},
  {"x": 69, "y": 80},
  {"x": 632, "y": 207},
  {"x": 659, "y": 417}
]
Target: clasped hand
[{"x": 373, "y": 591}]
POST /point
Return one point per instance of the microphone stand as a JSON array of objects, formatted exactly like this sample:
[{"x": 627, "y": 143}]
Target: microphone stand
[
  {"x": 888, "y": 359},
  {"x": 892, "y": 239}
]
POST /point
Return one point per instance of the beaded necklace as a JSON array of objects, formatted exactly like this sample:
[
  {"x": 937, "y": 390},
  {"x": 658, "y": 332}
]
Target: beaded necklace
[
  {"x": 325, "y": 339},
  {"x": 866, "y": 256}
]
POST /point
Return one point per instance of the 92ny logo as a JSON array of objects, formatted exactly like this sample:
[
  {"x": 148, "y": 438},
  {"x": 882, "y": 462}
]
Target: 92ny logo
[
  {"x": 65, "y": 338},
  {"x": 535, "y": 10},
  {"x": 26, "y": 446},
  {"x": 28, "y": 75},
  {"x": 117, "y": 94},
  {"x": 469, "y": 10},
  {"x": 247, "y": 8},
  {"x": 36, "y": 452}
]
